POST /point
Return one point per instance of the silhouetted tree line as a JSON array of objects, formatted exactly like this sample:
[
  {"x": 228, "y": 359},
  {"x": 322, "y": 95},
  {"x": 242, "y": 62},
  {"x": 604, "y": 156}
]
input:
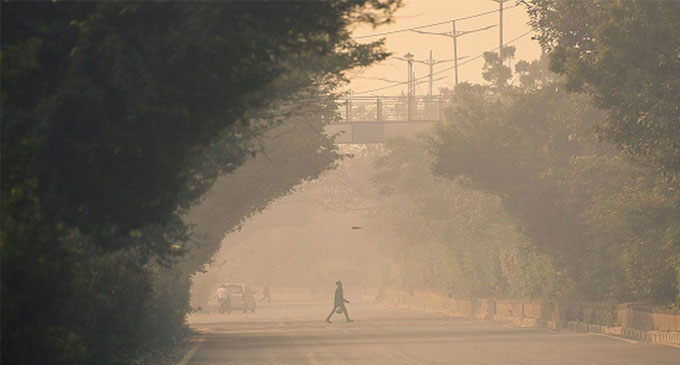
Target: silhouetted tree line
[{"x": 117, "y": 117}]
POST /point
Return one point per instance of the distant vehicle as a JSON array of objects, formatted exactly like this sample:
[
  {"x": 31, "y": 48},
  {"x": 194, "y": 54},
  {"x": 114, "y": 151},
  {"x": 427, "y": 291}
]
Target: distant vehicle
[{"x": 235, "y": 296}]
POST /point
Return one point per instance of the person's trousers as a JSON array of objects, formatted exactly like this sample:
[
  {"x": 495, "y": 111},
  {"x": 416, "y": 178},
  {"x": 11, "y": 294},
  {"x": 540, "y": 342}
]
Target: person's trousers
[{"x": 335, "y": 307}]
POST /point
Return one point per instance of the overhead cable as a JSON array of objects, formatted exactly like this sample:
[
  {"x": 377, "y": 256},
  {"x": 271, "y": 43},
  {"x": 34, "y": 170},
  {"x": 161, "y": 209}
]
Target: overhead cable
[
  {"x": 460, "y": 33},
  {"x": 446, "y": 69},
  {"x": 431, "y": 24}
]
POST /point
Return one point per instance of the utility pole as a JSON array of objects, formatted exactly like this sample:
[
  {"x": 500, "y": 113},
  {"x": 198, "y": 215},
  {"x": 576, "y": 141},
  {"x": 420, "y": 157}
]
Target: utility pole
[
  {"x": 431, "y": 64},
  {"x": 412, "y": 80},
  {"x": 454, "y": 34},
  {"x": 455, "y": 50},
  {"x": 500, "y": 26}
]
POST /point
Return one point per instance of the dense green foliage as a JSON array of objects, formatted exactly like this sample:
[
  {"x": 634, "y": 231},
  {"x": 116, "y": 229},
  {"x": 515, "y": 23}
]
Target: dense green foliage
[
  {"x": 445, "y": 235},
  {"x": 608, "y": 225},
  {"x": 588, "y": 181},
  {"x": 531, "y": 203},
  {"x": 494, "y": 69},
  {"x": 625, "y": 54},
  {"x": 116, "y": 119},
  {"x": 291, "y": 153}
]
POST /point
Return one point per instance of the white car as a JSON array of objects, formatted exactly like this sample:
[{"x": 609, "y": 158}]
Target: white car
[{"x": 232, "y": 296}]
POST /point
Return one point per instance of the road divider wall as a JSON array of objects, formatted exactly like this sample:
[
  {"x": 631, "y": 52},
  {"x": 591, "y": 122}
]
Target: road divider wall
[
  {"x": 289, "y": 298},
  {"x": 629, "y": 320},
  {"x": 292, "y": 294}
]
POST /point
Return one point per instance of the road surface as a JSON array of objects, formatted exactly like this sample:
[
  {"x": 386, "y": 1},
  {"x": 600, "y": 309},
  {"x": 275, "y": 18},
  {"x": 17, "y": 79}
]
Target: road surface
[{"x": 296, "y": 334}]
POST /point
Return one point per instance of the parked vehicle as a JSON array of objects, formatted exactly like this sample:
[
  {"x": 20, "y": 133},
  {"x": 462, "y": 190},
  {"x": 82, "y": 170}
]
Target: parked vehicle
[{"x": 233, "y": 296}]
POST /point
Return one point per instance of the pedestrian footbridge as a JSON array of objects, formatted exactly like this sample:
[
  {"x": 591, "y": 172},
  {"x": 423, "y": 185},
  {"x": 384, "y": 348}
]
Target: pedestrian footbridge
[{"x": 376, "y": 119}]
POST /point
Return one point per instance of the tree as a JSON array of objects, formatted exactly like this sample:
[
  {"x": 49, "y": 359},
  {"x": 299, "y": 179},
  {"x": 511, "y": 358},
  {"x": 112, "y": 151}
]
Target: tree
[
  {"x": 126, "y": 89},
  {"x": 494, "y": 70},
  {"x": 607, "y": 224},
  {"x": 445, "y": 235},
  {"x": 624, "y": 54},
  {"x": 534, "y": 74},
  {"x": 116, "y": 119}
]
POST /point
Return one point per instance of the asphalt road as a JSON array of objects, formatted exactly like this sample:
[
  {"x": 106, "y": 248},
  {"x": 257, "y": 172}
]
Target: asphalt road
[{"x": 296, "y": 334}]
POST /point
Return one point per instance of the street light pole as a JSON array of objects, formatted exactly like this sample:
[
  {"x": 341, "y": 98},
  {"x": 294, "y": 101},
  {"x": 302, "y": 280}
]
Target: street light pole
[
  {"x": 412, "y": 82},
  {"x": 409, "y": 73}
]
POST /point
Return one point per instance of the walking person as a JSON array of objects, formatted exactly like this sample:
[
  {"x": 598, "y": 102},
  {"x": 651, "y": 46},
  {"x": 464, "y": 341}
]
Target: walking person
[
  {"x": 339, "y": 303},
  {"x": 265, "y": 294}
]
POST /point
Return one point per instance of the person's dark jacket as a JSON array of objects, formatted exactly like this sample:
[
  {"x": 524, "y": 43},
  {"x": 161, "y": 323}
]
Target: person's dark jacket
[{"x": 340, "y": 297}]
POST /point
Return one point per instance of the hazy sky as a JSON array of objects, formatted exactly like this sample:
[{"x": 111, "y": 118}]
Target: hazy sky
[{"x": 421, "y": 12}]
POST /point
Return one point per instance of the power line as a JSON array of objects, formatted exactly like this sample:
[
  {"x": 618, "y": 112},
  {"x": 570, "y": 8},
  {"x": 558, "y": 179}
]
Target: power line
[
  {"x": 446, "y": 69},
  {"x": 431, "y": 24},
  {"x": 460, "y": 33},
  {"x": 454, "y": 35},
  {"x": 482, "y": 55},
  {"x": 427, "y": 63}
]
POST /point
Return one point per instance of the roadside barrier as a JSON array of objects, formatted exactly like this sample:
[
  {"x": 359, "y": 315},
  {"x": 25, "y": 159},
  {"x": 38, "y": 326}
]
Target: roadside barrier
[
  {"x": 629, "y": 320},
  {"x": 285, "y": 298}
]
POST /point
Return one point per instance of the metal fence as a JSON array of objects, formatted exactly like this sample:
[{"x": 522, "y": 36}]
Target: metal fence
[{"x": 391, "y": 109}]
